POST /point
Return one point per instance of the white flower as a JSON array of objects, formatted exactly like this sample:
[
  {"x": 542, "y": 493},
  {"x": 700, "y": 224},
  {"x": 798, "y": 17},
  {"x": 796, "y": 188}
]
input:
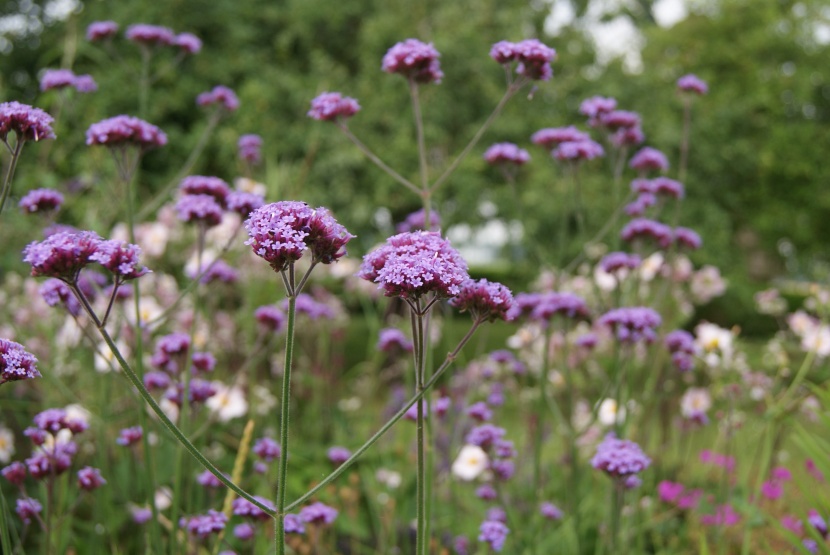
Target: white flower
[
  {"x": 801, "y": 323},
  {"x": 714, "y": 344},
  {"x": 707, "y": 284},
  {"x": 6, "y": 445},
  {"x": 163, "y": 498},
  {"x": 228, "y": 403},
  {"x": 695, "y": 402},
  {"x": 606, "y": 281},
  {"x": 170, "y": 409},
  {"x": 609, "y": 412},
  {"x": 651, "y": 266},
  {"x": 470, "y": 463},
  {"x": 148, "y": 310},
  {"x": 248, "y": 185},
  {"x": 388, "y": 478},
  {"x": 817, "y": 340},
  {"x": 105, "y": 359}
]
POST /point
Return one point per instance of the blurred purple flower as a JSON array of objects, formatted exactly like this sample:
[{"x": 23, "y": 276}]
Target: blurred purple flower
[{"x": 414, "y": 60}]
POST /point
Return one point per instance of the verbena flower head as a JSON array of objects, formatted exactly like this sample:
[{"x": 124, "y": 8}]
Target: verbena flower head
[
  {"x": 494, "y": 533},
  {"x": 62, "y": 255},
  {"x": 201, "y": 209},
  {"x": 150, "y": 35},
  {"x": 100, "y": 30},
  {"x": 124, "y": 131},
  {"x": 338, "y": 455},
  {"x": 120, "y": 258},
  {"x": 293, "y": 524},
  {"x": 280, "y": 232},
  {"x": 414, "y": 60},
  {"x": 680, "y": 341},
  {"x": 619, "y": 119},
  {"x": 332, "y": 106},
  {"x": 90, "y": 479},
  {"x": 632, "y": 324},
  {"x": 551, "y": 511},
  {"x": 391, "y": 339},
  {"x": 56, "y": 79},
  {"x": 413, "y": 264},
  {"x": 267, "y": 449},
  {"x": 647, "y": 159},
  {"x": 619, "y": 458},
  {"x": 595, "y": 107},
  {"x": 28, "y": 508},
  {"x": 311, "y": 307},
  {"x": 85, "y": 84},
  {"x": 16, "y": 363},
  {"x": 485, "y": 436},
  {"x": 15, "y": 473},
  {"x": 578, "y": 150},
  {"x": 220, "y": 96},
  {"x": 506, "y": 153},
  {"x": 627, "y": 136},
  {"x": 551, "y": 137},
  {"x": 41, "y": 200},
  {"x": 202, "y": 526},
  {"x": 641, "y": 204},
  {"x": 668, "y": 187},
  {"x": 55, "y": 292},
  {"x": 130, "y": 436},
  {"x": 692, "y": 83},
  {"x": 206, "y": 185},
  {"x": 613, "y": 262},
  {"x": 484, "y": 300},
  {"x": 318, "y": 513},
  {"x": 542, "y": 307},
  {"x": 641, "y": 228},
  {"x": 534, "y": 59},
  {"x": 243, "y": 203},
  {"x": 270, "y": 317},
  {"x": 250, "y": 147},
  {"x": 416, "y": 220},
  {"x": 503, "y": 52},
  {"x": 685, "y": 237},
  {"x": 26, "y": 122},
  {"x": 188, "y": 43},
  {"x": 55, "y": 420}
]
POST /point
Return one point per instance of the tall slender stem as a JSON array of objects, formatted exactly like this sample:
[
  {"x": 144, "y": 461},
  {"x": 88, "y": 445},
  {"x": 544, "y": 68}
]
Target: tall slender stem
[
  {"x": 420, "y": 348},
  {"x": 7, "y": 181},
  {"x": 375, "y": 160},
  {"x": 425, "y": 192},
  {"x": 284, "y": 412},
  {"x": 684, "y": 143}
]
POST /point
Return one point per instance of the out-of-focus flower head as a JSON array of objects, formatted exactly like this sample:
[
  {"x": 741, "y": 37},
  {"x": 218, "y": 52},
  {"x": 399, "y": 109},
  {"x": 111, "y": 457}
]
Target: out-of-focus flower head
[
  {"x": 693, "y": 84},
  {"x": 648, "y": 158},
  {"x": 100, "y": 30},
  {"x": 506, "y": 153},
  {"x": 534, "y": 57},
  {"x": 595, "y": 107},
  {"x": 202, "y": 526},
  {"x": 123, "y": 131},
  {"x": 632, "y": 324},
  {"x": 578, "y": 150},
  {"x": 150, "y": 35},
  {"x": 318, "y": 513},
  {"x": 41, "y": 200},
  {"x": 202, "y": 209},
  {"x": 16, "y": 363},
  {"x": 619, "y": 458},
  {"x": 551, "y": 137},
  {"x": 484, "y": 300},
  {"x": 332, "y": 106},
  {"x": 470, "y": 463},
  {"x": 219, "y": 96},
  {"x": 414, "y": 60},
  {"x": 416, "y": 221},
  {"x": 250, "y": 148},
  {"x": 413, "y": 264},
  {"x": 26, "y": 122},
  {"x": 206, "y": 185},
  {"x": 668, "y": 187},
  {"x": 619, "y": 119},
  {"x": 391, "y": 339},
  {"x": 62, "y": 255},
  {"x": 685, "y": 237},
  {"x": 243, "y": 203},
  {"x": 494, "y": 533},
  {"x": 640, "y": 228},
  {"x": 188, "y": 43}
]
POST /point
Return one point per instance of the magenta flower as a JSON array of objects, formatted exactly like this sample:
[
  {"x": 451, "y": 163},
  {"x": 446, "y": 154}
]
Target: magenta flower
[
  {"x": 15, "y": 473},
  {"x": 338, "y": 455},
  {"x": 90, "y": 479},
  {"x": 484, "y": 300},
  {"x": 668, "y": 187},
  {"x": 41, "y": 200},
  {"x": 632, "y": 324},
  {"x": 542, "y": 307},
  {"x": 688, "y": 238},
  {"x": 244, "y": 531},
  {"x": 130, "y": 436},
  {"x": 249, "y": 147},
  {"x": 202, "y": 526},
  {"x": 27, "y": 123},
  {"x": 487, "y": 492},
  {"x": 150, "y": 35},
  {"x": 62, "y": 255},
  {"x": 619, "y": 119},
  {"x": 201, "y": 209},
  {"x": 414, "y": 60},
  {"x": 648, "y": 158},
  {"x": 56, "y": 79},
  {"x": 120, "y": 258},
  {"x": 479, "y": 412},
  {"x": 578, "y": 150},
  {"x": 16, "y": 363},
  {"x": 669, "y": 492},
  {"x": 551, "y": 137},
  {"x": 267, "y": 449},
  {"x": 503, "y": 52},
  {"x": 85, "y": 84},
  {"x": 551, "y": 511},
  {"x": 28, "y": 508},
  {"x": 100, "y": 30},
  {"x": 534, "y": 59},
  {"x": 392, "y": 339},
  {"x": 724, "y": 515},
  {"x": 413, "y": 264},
  {"x": 692, "y": 83},
  {"x": 220, "y": 96},
  {"x": 326, "y": 237},
  {"x": 506, "y": 153},
  {"x": 52, "y": 463},
  {"x": 416, "y": 221},
  {"x": 332, "y": 106},
  {"x": 640, "y": 205},
  {"x": 772, "y": 490},
  {"x": 55, "y": 420},
  {"x": 485, "y": 436},
  {"x": 243, "y": 203},
  {"x": 613, "y": 262},
  {"x": 494, "y": 533},
  {"x": 628, "y": 136},
  {"x": 123, "y": 131},
  {"x": 55, "y": 292},
  {"x": 597, "y": 106},
  {"x": 188, "y": 43},
  {"x": 318, "y": 513},
  {"x": 641, "y": 228},
  {"x": 619, "y": 458},
  {"x": 270, "y": 317}
]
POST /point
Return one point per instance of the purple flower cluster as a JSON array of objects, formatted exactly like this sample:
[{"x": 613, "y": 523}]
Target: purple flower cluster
[
  {"x": 551, "y": 511},
  {"x": 270, "y": 317},
  {"x": 413, "y": 264},
  {"x": 596, "y": 107},
  {"x": 280, "y": 232},
  {"x": 643, "y": 202},
  {"x": 667, "y": 187},
  {"x": 578, "y": 150},
  {"x": 644, "y": 228},
  {"x": 506, "y": 153},
  {"x": 534, "y": 57},
  {"x": 62, "y": 255},
  {"x": 551, "y": 137},
  {"x": 206, "y": 185},
  {"x": 151, "y": 35},
  {"x": 188, "y": 43},
  {"x": 414, "y": 60},
  {"x": 392, "y": 339},
  {"x": 542, "y": 307},
  {"x": 220, "y": 271},
  {"x": 120, "y": 258},
  {"x": 627, "y": 136},
  {"x": 308, "y": 305},
  {"x": 130, "y": 436},
  {"x": 171, "y": 352},
  {"x": 332, "y": 106},
  {"x": 677, "y": 494},
  {"x": 484, "y": 300},
  {"x": 55, "y": 420},
  {"x": 318, "y": 513},
  {"x": 681, "y": 345},
  {"x": 619, "y": 458},
  {"x": 416, "y": 220},
  {"x": 219, "y": 96},
  {"x": 89, "y": 478},
  {"x": 199, "y": 209},
  {"x": 123, "y": 131},
  {"x": 27, "y": 509},
  {"x": 338, "y": 455},
  {"x": 243, "y": 203},
  {"x": 202, "y": 526},
  {"x": 647, "y": 159},
  {"x": 267, "y": 449},
  {"x": 250, "y": 148},
  {"x": 620, "y": 119},
  {"x": 494, "y": 533},
  {"x": 26, "y": 122},
  {"x": 41, "y": 200},
  {"x": 632, "y": 324},
  {"x": 613, "y": 262},
  {"x": 692, "y": 83},
  {"x": 16, "y": 363},
  {"x": 685, "y": 237},
  {"x": 55, "y": 292},
  {"x": 63, "y": 78},
  {"x": 100, "y": 30}
]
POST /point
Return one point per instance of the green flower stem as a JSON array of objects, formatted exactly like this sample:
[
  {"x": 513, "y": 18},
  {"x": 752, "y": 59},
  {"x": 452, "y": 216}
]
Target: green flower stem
[
  {"x": 375, "y": 160},
  {"x": 684, "y": 142},
  {"x": 512, "y": 89},
  {"x": 421, "y": 540},
  {"x": 600, "y": 234},
  {"x": 285, "y": 403},
  {"x": 391, "y": 422},
  {"x": 7, "y": 181},
  {"x": 806, "y": 364},
  {"x": 426, "y": 197}
]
